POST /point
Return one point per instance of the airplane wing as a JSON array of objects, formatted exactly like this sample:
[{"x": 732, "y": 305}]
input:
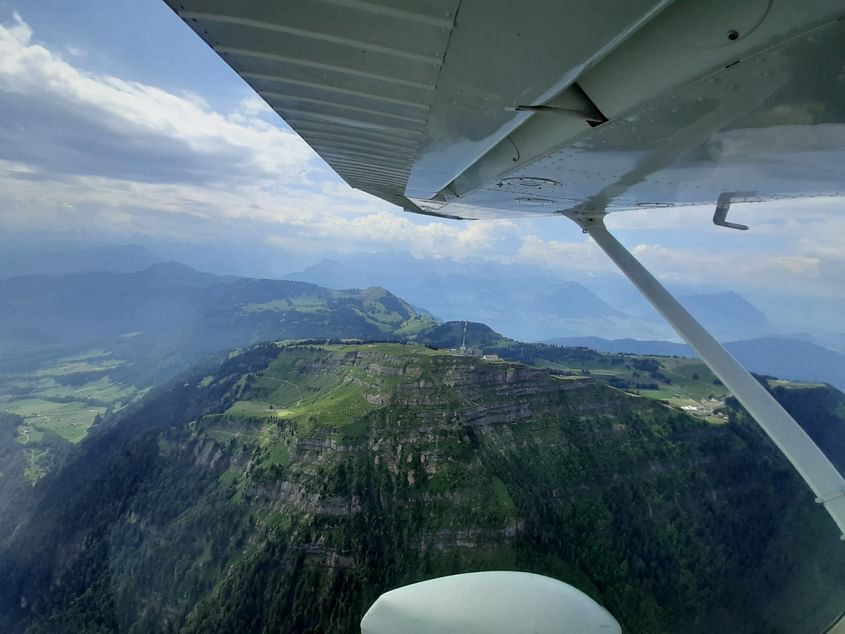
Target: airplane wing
[
  {"x": 492, "y": 108},
  {"x": 495, "y": 108}
]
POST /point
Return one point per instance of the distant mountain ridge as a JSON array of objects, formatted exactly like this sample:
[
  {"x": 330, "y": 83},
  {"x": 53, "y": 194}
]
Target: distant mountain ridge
[
  {"x": 171, "y": 315},
  {"x": 727, "y": 314},
  {"x": 525, "y": 303},
  {"x": 530, "y": 303},
  {"x": 778, "y": 356},
  {"x": 64, "y": 259}
]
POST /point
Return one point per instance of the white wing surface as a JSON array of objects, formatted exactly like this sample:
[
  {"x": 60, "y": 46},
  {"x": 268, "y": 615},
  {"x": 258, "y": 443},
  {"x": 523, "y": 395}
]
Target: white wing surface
[
  {"x": 486, "y": 108},
  {"x": 498, "y": 602}
]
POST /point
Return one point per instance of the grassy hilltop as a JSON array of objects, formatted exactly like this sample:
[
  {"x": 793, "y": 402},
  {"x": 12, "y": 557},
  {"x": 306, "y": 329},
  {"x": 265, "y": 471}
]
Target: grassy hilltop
[
  {"x": 283, "y": 486},
  {"x": 286, "y": 487}
]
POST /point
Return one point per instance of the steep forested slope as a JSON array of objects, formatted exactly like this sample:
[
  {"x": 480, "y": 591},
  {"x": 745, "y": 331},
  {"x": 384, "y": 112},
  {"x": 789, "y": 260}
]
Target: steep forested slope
[
  {"x": 285, "y": 488},
  {"x": 76, "y": 347}
]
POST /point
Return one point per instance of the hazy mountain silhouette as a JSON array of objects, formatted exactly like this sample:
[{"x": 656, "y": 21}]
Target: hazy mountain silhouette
[{"x": 778, "y": 356}]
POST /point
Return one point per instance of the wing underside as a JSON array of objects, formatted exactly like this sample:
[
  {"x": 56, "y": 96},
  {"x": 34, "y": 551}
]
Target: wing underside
[
  {"x": 494, "y": 108},
  {"x": 488, "y": 108}
]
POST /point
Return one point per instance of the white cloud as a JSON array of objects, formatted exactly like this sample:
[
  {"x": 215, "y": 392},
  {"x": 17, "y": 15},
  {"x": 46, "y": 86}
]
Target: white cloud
[
  {"x": 733, "y": 268},
  {"x": 391, "y": 230},
  {"x": 123, "y": 155},
  {"x": 75, "y": 51},
  {"x": 805, "y": 267},
  {"x": 254, "y": 105},
  {"x": 138, "y": 121},
  {"x": 583, "y": 256},
  {"x": 331, "y": 217}
]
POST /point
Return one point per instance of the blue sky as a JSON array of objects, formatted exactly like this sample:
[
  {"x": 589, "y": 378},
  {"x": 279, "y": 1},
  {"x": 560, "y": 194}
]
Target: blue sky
[{"x": 117, "y": 121}]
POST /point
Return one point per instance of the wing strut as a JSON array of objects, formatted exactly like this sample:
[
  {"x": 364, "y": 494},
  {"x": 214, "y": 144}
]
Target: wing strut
[{"x": 818, "y": 472}]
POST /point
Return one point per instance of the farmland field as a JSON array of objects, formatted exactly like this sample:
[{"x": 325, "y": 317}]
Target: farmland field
[{"x": 59, "y": 400}]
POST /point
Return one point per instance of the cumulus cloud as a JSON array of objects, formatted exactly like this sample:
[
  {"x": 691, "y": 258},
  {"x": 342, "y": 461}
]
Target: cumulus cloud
[
  {"x": 737, "y": 268},
  {"x": 70, "y": 121},
  {"x": 86, "y": 150},
  {"x": 802, "y": 269},
  {"x": 582, "y": 256},
  {"x": 793, "y": 246},
  {"x": 456, "y": 240}
]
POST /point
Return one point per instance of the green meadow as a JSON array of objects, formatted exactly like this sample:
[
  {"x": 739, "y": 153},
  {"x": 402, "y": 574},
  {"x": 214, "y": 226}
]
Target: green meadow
[{"x": 59, "y": 401}]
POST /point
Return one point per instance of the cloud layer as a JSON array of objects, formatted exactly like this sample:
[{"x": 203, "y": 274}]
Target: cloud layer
[
  {"x": 82, "y": 149},
  {"x": 67, "y": 121},
  {"x": 89, "y": 150}
]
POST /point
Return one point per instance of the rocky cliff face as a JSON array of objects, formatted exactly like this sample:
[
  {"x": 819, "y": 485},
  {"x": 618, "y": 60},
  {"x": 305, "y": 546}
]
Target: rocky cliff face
[{"x": 301, "y": 484}]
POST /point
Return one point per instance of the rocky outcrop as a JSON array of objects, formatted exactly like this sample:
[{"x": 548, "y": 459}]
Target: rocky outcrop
[{"x": 393, "y": 464}]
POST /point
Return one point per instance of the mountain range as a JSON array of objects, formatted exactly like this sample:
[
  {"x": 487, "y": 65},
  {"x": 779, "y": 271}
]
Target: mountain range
[
  {"x": 165, "y": 317},
  {"x": 162, "y": 473},
  {"x": 168, "y": 315},
  {"x": 521, "y": 302},
  {"x": 285, "y": 487},
  {"x": 64, "y": 258},
  {"x": 528, "y": 303},
  {"x": 602, "y": 305}
]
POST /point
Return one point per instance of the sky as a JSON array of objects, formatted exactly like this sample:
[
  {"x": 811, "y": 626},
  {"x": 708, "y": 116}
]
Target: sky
[{"x": 118, "y": 123}]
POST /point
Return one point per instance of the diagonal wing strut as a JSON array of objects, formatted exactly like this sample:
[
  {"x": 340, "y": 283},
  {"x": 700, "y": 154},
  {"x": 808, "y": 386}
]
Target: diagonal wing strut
[{"x": 812, "y": 465}]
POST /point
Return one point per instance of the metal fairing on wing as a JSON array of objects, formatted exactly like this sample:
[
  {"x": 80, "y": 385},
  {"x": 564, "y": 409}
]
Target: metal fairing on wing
[{"x": 486, "y": 108}]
